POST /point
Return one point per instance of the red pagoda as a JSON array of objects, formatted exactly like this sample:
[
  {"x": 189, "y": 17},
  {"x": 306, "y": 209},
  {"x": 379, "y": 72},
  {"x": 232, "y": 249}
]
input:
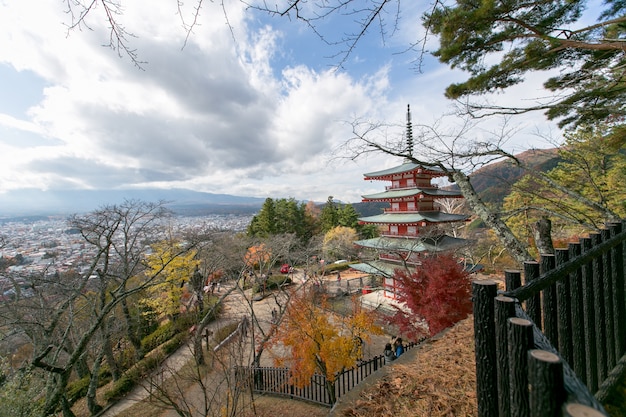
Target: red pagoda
[{"x": 410, "y": 228}]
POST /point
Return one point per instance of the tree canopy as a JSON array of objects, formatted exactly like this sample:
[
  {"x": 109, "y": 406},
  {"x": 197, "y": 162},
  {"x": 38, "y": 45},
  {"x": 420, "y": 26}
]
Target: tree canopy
[
  {"x": 592, "y": 168},
  {"x": 499, "y": 42},
  {"x": 320, "y": 342},
  {"x": 282, "y": 216}
]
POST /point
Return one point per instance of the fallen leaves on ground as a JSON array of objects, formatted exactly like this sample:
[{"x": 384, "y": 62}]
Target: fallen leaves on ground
[{"x": 440, "y": 382}]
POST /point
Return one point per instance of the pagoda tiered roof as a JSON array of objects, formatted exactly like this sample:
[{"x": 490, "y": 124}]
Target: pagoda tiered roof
[
  {"x": 410, "y": 218},
  {"x": 402, "y": 169},
  {"x": 426, "y": 244},
  {"x": 393, "y": 194}
]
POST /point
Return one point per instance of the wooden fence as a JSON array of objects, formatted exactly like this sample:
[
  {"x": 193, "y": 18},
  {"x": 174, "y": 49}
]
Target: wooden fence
[
  {"x": 556, "y": 345},
  {"x": 278, "y": 381}
]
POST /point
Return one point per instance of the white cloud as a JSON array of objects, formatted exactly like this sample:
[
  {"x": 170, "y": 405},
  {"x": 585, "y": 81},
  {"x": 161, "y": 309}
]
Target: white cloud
[{"x": 213, "y": 113}]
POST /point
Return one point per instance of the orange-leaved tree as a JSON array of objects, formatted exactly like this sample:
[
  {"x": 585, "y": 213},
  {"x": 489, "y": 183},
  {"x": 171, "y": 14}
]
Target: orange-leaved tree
[
  {"x": 437, "y": 292},
  {"x": 319, "y": 341},
  {"x": 258, "y": 257}
]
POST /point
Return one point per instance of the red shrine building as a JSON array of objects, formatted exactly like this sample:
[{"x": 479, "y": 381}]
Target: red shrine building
[{"x": 411, "y": 227}]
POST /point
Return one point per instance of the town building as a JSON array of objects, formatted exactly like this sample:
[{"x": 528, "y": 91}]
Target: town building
[{"x": 411, "y": 227}]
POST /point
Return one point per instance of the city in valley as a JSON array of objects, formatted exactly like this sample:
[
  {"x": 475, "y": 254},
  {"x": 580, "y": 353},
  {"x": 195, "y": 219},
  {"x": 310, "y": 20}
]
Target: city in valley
[{"x": 48, "y": 245}]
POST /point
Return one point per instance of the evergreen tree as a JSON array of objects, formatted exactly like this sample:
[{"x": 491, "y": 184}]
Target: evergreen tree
[
  {"x": 329, "y": 217},
  {"x": 264, "y": 223},
  {"x": 524, "y": 37},
  {"x": 282, "y": 216},
  {"x": 347, "y": 216}
]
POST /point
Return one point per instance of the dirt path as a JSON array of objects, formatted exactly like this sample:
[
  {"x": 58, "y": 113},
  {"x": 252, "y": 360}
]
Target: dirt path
[{"x": 235, "y": 308}]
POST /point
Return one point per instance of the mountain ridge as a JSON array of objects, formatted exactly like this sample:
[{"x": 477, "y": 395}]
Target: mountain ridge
[
  {"x": 58, "y": 202},
  {"x": 492, "y": 182}
]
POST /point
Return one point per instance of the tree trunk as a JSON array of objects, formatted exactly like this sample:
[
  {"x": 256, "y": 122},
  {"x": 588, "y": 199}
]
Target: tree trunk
[
  {"x": 92, "y": 403},
  {"x": 131, "y": 330},
  {"x": 542, "y": 232},
  {"x": 516, "y": 248},
  {"x": 67, "y": 409},
  {"x": 198, "y": 352},
  {"x": 107, "y": 348}
]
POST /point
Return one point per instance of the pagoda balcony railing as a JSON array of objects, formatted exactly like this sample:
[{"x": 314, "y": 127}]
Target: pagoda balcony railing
[
  {"x": 409, "y": 187},
  {"x": 399, "y": 210},
  {"x": 394, "y": 234},
  {"x": 396, "y": 258}
]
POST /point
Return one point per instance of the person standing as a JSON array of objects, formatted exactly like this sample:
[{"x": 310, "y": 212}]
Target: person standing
[
  {"x": 389, "y": 354},
  {"x": 398, "y": 347}
]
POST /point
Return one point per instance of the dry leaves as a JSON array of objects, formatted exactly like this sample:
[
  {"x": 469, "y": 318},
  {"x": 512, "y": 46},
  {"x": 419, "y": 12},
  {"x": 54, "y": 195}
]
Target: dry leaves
[{"x": 441, "y": 381}]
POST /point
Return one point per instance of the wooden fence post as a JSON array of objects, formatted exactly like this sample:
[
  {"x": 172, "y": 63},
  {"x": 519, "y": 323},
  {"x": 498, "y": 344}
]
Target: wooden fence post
[
  {"x": 619, "y": 306},
  {"x": 577, "y": 316},
  {"x": 598, "y": 301},
  {"x": 504, "y": 309},
  {"x": 549, "y": 307},
  {"x": 512, "y": 279},
  {"x": 520, "y": 341},
  {"x": 564, "y": 307},
  {"x": 607, "y": 280},
  {"x": 589, "y": 320},
  {"x": 483, "y": 294},
  {"x": 545, "y": 379},
  {"x": 533, "y": 304}
]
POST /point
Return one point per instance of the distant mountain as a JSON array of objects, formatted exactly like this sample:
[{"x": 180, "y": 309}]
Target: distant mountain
[
  {"x": 53, "y": 202},
  {"x": 493, "y": 182},
  {"x": 369, "y": 208}
]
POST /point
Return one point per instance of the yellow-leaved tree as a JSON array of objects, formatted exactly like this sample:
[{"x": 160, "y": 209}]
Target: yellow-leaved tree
[
  {"x": 169, "y": 295},
  {"x": 319, "y": 341},
  {"x": 339, "y": 243}
]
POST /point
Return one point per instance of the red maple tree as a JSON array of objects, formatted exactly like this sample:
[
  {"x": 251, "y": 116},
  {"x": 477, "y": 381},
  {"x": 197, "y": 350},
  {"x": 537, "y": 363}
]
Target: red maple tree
[{"x": 438, "y": 294}]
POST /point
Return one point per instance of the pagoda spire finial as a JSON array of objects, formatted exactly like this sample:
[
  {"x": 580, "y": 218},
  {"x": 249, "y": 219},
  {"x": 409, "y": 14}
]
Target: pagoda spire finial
[{"x": 409, "y": 132}]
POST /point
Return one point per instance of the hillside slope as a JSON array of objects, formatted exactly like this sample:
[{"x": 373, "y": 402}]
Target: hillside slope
[{"x": 493, "y": 182}]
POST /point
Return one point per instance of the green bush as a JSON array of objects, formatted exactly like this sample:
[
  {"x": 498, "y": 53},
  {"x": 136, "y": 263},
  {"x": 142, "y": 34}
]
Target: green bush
[
  {"x": 163, "y": 341},
  {"x": 273, "y": 282},
  {"x": 128, "y": 380},
  {"x": 78, "y": 389},
  {"x": 174, "y": 343},
  {"x": 122, "y": 386},
  {"x": 161, "y": 335},
  {"x": 332, "y": 268}
]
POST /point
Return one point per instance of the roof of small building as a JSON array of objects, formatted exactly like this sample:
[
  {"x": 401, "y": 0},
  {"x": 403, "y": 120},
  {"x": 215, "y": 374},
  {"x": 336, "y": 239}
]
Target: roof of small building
[
  {"x": 409, "y": 218},
  {"x": 376, "y": 268},
  {"x": 438, "y": 243},
  {"x": 410, "y": 192},
  {"x": 401, "y": 169}
]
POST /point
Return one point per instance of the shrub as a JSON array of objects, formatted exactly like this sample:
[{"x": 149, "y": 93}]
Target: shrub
[
  {"x": 174, "y": 343},
  {"x": 161, "y": 335},
  {"x": 128, "y": 380},
  {"x": 122, "y": 386},
  {"x": 273, "y": 282},
  {"x": 78, "y": 389},
  {"x": 332, "y": 268}
]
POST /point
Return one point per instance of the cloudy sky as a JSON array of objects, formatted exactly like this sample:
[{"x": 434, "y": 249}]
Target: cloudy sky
[{"x": 256, "y": 107}]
